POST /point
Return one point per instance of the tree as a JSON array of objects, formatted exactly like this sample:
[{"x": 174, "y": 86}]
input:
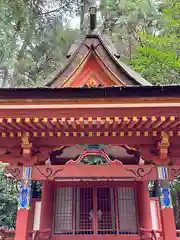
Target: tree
[
  {"x": 124, "y": 20},
  {"x": 32, "y": 36},
  {"x": 8, "y": 200},
  {"x": 157, "y": 57}
]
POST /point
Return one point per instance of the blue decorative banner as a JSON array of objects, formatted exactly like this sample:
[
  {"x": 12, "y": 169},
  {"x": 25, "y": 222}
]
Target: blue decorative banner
[
  {"x": 25, "y": 189},
  {"x": 165, "y": 197}
]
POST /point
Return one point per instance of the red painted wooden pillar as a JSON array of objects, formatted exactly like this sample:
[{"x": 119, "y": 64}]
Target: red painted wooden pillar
[
  {"x": 144, "y": 208},
  {"x": 167, "y": 213},
  {"x": 31, "y": 214},
  {"x": 168, "y": 224},
  {"x": 22, "y": 227},
  {"x": 47, "y": 205}
]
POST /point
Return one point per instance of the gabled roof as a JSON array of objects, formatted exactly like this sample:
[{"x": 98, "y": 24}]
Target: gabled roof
[{"x": 103, "y": 48}]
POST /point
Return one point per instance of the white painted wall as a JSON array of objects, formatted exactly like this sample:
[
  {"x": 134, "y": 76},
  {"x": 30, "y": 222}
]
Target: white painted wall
[
  {"x": 154, "y": 214},
  {"x": 37, "y": 215}
]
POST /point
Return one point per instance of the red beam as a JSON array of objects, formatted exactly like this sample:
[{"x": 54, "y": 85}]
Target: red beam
[
  {"x": 93, "y": 112},
  {"x": 93, "y": 172},
  {"x": 89, "y": 172}
]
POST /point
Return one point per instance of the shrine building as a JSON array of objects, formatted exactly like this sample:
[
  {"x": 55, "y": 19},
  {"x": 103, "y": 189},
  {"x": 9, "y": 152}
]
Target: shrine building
[{"x": 94, "y": 136}]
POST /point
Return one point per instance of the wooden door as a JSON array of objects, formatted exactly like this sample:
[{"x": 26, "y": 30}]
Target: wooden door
[
  {"x": 84, "y": 211},
  {"x": 106, "y": 221},
  {"x": 95, "y": 211}
]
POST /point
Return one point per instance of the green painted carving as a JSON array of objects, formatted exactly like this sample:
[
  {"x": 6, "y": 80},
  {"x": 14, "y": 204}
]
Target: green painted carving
[{"x": 93, "y": 160}]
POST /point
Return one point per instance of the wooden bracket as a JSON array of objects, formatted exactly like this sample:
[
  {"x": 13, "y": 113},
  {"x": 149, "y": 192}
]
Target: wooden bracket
[
  {"x": 162, "y": 149},
  {"x": 43, "y": 155},
  {"x": 26, "y": 146},
  {"x": 163, "y": 146}
]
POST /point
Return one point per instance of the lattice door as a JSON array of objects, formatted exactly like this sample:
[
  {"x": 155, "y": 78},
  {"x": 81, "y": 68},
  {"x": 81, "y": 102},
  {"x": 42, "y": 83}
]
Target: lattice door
[
  {"x": 84, "y": 211},
  {"x": 106, "y": 210},
  {"x": 106, "y": 223}
]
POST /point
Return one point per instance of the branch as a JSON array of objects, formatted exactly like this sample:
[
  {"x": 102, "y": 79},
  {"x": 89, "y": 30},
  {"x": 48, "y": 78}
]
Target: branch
[
  {"x": 49, "y": 12},
  {"x": 57, "y": 9}
]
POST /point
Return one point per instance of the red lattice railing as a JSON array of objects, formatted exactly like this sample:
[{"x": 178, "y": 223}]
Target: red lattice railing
[
  {"x": 9, "y": 234},
  {"x": 40, "y": 235},
  {"x": 178, "y": 234},
  {"x": 147, "y": 234}
]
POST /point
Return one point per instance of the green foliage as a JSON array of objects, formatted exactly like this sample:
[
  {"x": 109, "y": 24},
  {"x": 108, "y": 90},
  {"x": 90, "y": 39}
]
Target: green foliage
[
  {"x": 147, "y": 33},
  {"x": 157, "y": 57},
  {"x": 126, "y": 19},
  {"x": 176, "y": 200},
  {"x": 8, "y": 200},
  {"x": 34, "y": 38}
]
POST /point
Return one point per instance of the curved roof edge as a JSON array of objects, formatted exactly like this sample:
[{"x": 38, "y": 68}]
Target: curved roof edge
[{"x": 80, "y": 47}]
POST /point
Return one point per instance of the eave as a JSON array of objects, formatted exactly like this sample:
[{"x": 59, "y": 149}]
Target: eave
[
  {"x": 84, "y": 112},
  {"x": 123, "y": 115},
  {"x": 120, "y": 92}
]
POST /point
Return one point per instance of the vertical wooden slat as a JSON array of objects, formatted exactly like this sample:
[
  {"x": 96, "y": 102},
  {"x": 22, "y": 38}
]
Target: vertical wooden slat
[
  {"x": 74, "y": 211},
  {"x": 127, "y": 210},
  {"x": 63, "y": 211},
  {"x": 77, "y": 206},
  {"x": 95, "y": 219},
  {"x": 116, "y": 210}
]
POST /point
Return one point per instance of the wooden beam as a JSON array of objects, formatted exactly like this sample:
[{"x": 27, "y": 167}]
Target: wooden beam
[
  {"x": 125, "y": 121},
  {"x": 39, "y": 125},
  {"x": 55, "y": 122},
  {"x": 175, "y": 124},
  {"x": 107, "y": 123},
  {"x": 72, "y": 122},
  {"x": 167, "y": 123},
  {"x": 117, "y": 121},
  {"x": 89, "y": 121},
  {"x": 89, "y": 172},
  {"x": 99, "y": 122},
  {"x": 80, "y": 122},
  {"x": 29, "y": 123},
  {"x": 133, "y": 122},
  {"x": 63, "y": 122},
  {"x": 142, "y": 121},
  {"x": 93, "y": 112},
  {"x": 150, "y": 121},
  {"x": 158, "y": 122},
  {"x": 47, "y": 123},
  {"x": 21, "y": 124},
  {"x": 174, "y": 172},
  {"x": 4, "y": 124}
]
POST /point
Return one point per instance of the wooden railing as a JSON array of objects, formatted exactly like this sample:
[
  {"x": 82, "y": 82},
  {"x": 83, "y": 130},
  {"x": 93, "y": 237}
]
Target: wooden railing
[
  {"x": 178, "y": 234},
  {"x": 149, "y": 234},
  {"x": 146, "y": 234},
  {"x": 40, "y": 235},
  {"x": 7, "y": 234}
]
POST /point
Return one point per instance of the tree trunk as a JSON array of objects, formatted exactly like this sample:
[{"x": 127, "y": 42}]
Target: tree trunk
[{"x": 82, "y": 13}]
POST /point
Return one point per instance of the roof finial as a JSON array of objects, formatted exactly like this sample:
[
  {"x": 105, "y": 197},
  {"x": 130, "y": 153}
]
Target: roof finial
[{"x": 92, "y": 12}]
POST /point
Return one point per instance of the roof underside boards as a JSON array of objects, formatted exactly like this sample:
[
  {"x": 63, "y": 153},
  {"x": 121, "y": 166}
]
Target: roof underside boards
[
  {"x": 98, "y": 45},
  {"x": 90, "y": 93}
]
